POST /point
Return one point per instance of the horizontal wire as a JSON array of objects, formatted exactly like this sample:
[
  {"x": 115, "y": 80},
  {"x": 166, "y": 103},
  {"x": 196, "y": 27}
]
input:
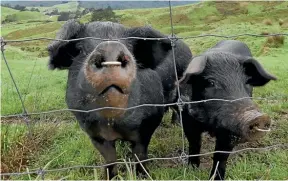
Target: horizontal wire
[
  {"x": 138, "y": 106},
  {"x": 146, "y": 160},
  {"x": 141, "y": 38}
]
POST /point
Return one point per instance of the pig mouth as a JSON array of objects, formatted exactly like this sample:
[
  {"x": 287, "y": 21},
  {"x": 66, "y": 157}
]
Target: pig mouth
[
  {"x": 258, "y": 127},
  {"x": 113, "y": 86}
]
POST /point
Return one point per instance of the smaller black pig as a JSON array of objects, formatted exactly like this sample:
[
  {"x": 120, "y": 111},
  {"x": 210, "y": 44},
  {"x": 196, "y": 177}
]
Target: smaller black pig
[{"x": 226, "y": 71}]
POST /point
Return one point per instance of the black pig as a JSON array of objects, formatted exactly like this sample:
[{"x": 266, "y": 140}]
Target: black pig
[
  {"x": 122, "y": 74},
  {"x": 226, "y": 71}
]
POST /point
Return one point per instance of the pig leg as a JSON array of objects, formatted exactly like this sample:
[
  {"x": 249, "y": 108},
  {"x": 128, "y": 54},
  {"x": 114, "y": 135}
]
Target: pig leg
[
  {"x": 194, "y": 139},
  {"x": 141, "y": 151},
  {"x": 223, "y": 143},
  {"x": 108, "y": 151},
  {"x": 140, "y": 148},
  {"x": 193, "y": 131}
]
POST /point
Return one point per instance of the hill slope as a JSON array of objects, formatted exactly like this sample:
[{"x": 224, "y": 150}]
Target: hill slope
[{"x": 7, "y": 11}]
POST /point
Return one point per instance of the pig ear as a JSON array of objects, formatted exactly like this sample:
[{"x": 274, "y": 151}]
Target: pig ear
[
  {"x": 195, "y": 67},
  {"x": 148, "y": 53},
  {"x": 61, "y": 53},
  {"x": 258, "y": 75}
]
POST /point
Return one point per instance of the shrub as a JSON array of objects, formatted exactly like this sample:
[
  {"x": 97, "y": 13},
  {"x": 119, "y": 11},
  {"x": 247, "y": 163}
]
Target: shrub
[{"x": 10, "y": 18}]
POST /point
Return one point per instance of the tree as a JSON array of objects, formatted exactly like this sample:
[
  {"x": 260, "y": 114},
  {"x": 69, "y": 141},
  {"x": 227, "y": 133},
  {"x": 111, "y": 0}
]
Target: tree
[
  {"x": 20, "y": 8},
  {"x": 104, "y": 15},
  {"x": 35, "y": 9},
  {"x": 6, "y": 5}
]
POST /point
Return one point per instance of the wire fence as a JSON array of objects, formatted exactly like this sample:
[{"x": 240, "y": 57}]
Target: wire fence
[{"x": 25, "y": 114}]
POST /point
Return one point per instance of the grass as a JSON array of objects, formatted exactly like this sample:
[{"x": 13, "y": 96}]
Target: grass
[
  {"x": 24, "y": 15},
  {"x": 67, "y": 145}
]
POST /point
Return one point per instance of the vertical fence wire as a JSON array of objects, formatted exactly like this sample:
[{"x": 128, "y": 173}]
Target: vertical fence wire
[{"x": 179, "y": 101}]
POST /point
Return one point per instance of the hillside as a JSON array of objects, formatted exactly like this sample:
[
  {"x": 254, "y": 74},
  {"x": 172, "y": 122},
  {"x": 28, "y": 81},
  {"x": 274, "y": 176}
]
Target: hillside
[
  {"x": 7, "y": 11},
  {"x": 57, "y": 141},
  {"x": 70, "y": 6}
]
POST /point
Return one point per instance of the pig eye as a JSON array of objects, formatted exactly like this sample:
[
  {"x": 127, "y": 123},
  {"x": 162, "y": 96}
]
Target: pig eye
[
  {"x": 211, "y": 83},
  {"x": 81, "y": 50}
]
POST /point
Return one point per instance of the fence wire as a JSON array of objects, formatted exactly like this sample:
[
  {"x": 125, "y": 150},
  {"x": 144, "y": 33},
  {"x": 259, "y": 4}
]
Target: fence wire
[
  {"x": 173, "y": 38},
  {"x": 43, "y": 171}
]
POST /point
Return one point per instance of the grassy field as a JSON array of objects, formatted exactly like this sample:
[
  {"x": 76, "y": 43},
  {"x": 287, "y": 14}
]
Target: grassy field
[
  {"x": 56, "y": 140},
  {"x": 70, "y": 6}
]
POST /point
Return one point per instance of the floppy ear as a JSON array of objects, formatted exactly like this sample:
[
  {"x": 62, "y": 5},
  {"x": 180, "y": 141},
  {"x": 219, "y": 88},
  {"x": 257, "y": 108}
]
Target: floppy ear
[
  {"x": 148, "y": 53},
  {"x": 61, "y": 53},
  {"x": 195, "y": 67},
  {"x": 258, "y": 75}
]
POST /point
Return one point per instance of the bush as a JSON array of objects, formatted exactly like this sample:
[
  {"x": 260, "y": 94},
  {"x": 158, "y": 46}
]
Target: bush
[
  {"x": 35, "y": 9},
  {"x": 10, "y": 18},
  {"x": 64, "y": 16}
]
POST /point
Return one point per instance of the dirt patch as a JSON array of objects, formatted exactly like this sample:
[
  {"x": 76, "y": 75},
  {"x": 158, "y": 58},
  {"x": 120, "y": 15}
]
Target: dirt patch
[
  {"x": 228, "y": 8},
  {"x": 212, "y": 19},
  {"x": 39, "y": 29},
  {"x": 181, "y": 19}
]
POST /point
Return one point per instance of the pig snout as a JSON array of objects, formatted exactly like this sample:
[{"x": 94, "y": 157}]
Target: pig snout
[
  {"x": 111, "y": 69},
  {"x": 256, "y": 125}
]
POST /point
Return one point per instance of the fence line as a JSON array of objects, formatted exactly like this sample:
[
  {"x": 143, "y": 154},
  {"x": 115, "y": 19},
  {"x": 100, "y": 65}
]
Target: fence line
[
  {"x": 39, "y": 171},
  {"x": 179, "y": 103},
  {"x": 140, "y": 105},
  {"x": 141, "y": 38}
]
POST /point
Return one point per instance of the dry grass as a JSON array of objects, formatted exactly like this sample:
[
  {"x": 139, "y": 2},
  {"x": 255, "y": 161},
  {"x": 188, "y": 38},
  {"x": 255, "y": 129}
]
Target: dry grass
[
  {"x": 274, "y": 41},
  {"x": 265, "y": 50},
  {"x": 17, "y": 156},
  {"x": 281, "y": 22},
  {"x": 230, "y": 8},
  {"x": 267, "y": 22}
]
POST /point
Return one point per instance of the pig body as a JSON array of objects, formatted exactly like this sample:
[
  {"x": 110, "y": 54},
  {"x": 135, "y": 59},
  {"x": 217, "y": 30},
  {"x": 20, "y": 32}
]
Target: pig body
[
  {"x": 121, "y": 74},
  {"x": 226, "y": 71}
]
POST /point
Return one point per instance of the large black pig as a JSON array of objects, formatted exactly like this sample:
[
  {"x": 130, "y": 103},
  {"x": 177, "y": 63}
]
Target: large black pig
[
  {"x": 122, "y": 74},
  {"x": 226, "y": 71}
]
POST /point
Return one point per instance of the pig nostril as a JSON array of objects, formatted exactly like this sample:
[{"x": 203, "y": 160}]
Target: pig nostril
[
  {"x": 98, "y": 63},
  {"x": 123, "y": 60}
]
